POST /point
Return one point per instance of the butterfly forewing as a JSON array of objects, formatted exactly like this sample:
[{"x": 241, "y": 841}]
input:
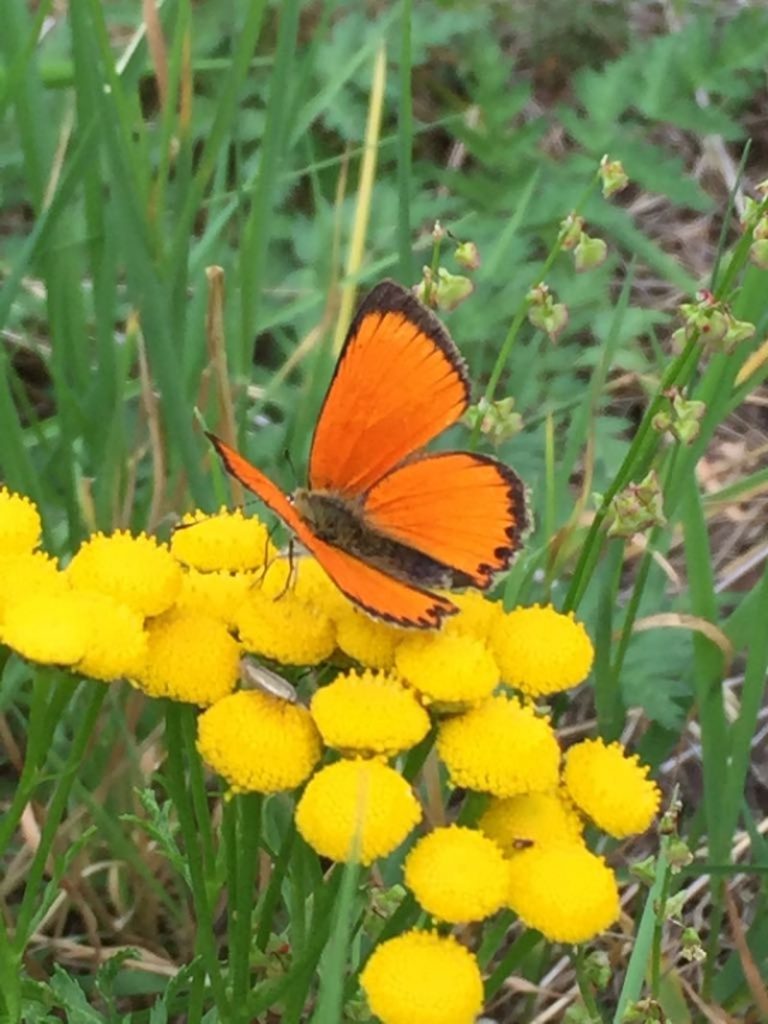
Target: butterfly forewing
[{"x": 399, "y": 382}]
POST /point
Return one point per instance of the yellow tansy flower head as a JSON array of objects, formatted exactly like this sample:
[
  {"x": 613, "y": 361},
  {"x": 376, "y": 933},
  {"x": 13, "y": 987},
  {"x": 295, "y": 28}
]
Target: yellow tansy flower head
[
  {"x": 258, "y": 742},
  {"x": 137, "y": 571},
  {"x": 277, "y": 579},
  {"x": 447, "y": 668},
  {"x": 315, "y": 587},
  {"x": 369, "y": 713},
  {"x": 357, "y": 810},
  {"x": 368, "y": 641},
  {"x": 226, "y": 541},
  {"x": 24, "y": 575},
  {"x": 190, "y": 657},
  {"x": 20, "y": 526},
  {"x": 541, "y": 651},
  {"x": 458, "y": 874},
  {"x": 566, "y": 892},
  {"x": 477, "y": 615},
  {"x": 50, "y": 627},
  {"x": 285, "y": 629},
  {"x": 219, "y": 594},
  {"x": 500, "y": 747},
  {"x": 612, "y": 788},
  {"x": 421, "y": 976},
  {"x": 117, "y": 644},
  {"x": 544, "y": 819}
]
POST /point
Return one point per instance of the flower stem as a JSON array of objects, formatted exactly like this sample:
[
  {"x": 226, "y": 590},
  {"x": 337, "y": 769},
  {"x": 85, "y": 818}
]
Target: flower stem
[
  {"x": 522, "y": 311},
  {"x": 641, "y": 444},
  {"x": 241, "y": 896},
  {"x": 179, "y": 793},
  {"x": 586, "y": 988}
]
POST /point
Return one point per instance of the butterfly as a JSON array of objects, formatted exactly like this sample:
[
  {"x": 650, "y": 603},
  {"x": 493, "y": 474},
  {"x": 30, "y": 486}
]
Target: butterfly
[{"x": 389, "y": 523}]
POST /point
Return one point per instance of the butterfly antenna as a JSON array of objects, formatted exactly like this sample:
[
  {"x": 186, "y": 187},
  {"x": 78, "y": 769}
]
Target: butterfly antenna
[{"x": 289, "y": 460}]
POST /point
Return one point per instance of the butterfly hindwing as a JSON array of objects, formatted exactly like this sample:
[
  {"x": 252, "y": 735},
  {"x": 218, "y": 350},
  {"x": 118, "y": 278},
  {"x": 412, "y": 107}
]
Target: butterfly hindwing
[
  {"x": 467, "y": 511},
  {"x": 399, "y": 382}
]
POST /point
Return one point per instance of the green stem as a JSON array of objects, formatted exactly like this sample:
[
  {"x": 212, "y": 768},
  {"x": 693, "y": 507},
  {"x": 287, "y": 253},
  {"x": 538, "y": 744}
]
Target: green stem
[
  {"x": 199, "y": 792},
  {"x": 638, "y": 449},
  {"x": 659, "y": 921},
  {"x": 56, "y": 809},
  {"x": 522, "y": 312},
  {"x": 404, "y": 149},
  {"x": 51, "y": 691},
  {"x": 608, "y": 699},
  {"x": 178, "y": 791},
  {"x": 638, "y": 588},
  {"x": 586, "y": 988},
  {"x": 269, "y": 904},
  {"x": 242, "y": 898}
]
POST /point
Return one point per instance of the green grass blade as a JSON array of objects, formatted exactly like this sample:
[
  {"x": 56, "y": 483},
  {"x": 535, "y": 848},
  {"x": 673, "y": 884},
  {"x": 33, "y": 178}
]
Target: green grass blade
[
  {"x": 256, "y": 236},
  {"x": 405, "y": 149}
]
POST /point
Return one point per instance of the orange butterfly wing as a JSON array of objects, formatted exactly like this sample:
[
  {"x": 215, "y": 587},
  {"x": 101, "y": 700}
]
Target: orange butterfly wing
[
  {"x": 399, "y": 382},
  {"x": 467, "y": 511},
  {"x": 368, "y": 587}
]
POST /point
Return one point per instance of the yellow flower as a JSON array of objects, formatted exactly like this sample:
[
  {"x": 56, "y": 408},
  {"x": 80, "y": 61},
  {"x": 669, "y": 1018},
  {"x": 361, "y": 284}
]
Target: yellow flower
[
  {"x": 612, "y": 788},
  {"x": 226, "y": 541},
  {"x": 356, "y": 810},
  {"x": 425, "y": 978},
  {"x": 20, "y": 526},
  {"x": 26, "y": 575},
  {"x": 369, "y": 713},
  {"x": 500, "y": 747},
  {"x": 315, "y": 587},
  {"x": 219, "y": 594},
  {"x": 369, "y": 642},
  {"x": 50, "y": 627},
  {"x": 190, "y": 657},
  {"x": 545, "y": 819},
  {"x": 48, "y": 621},
  {"x": 540, "y": 651},
  {"x": 285, "y": 629},
  {"x": 137, "y": 571},
  {"x": 477, "y": 615},
  {"x": 447, "y": 668},
  {"x": 277, "y": 579},
  {"x": 564, "y": 891},
  {"x": 258, "y": 743},
  {"x": 457, "y": 874},
  {"x": 117, "y": 643}
]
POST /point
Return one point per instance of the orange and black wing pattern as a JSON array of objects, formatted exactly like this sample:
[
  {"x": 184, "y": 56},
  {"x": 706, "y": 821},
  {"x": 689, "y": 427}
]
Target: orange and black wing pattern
[
  {"x": 399, "y": 382},
  {"x": 373, "y": 590},
  {"x": 467, "y": 511}
]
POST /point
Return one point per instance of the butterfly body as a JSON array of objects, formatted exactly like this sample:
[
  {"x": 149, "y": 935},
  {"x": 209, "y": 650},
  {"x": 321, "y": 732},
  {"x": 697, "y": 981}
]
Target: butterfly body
[{"x": 387, "y": 522}]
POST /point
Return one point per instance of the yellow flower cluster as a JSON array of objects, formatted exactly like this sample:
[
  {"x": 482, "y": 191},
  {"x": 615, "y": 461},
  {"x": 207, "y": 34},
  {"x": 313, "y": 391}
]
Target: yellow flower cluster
[{"x": 176, "y": 620}]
